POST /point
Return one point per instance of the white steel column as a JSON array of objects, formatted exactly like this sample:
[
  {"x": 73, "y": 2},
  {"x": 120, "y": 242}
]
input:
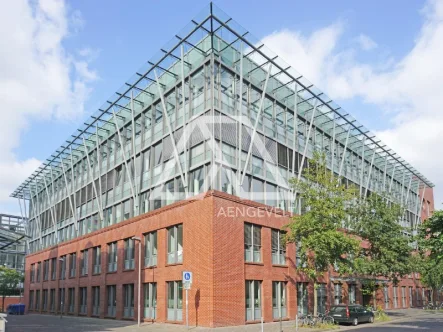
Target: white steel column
[
  {"x": 240, "y": 122},
  {"x": 171, "y": 135},
  {"x": 256, "y": 123},
  {"x": 69, "y": 194},
  {"x": 344, "y": 152},
  {"x": 185, "y": 141},
  {"x": 363, "y": 165},
  {"x": 36, "y": 217},
  {"x": 50, "y": 207},
  {"x": 305, "y": 150},
  {"x": 134, "y": 128},
  {"x": 370, "y": 171},
  {"x": 333, "y": 146},
  {"x": 392, "y": 178},
  {"x": 122, "y": 148},
  {"x": 384, "y": 176},
  {"x": 421, "y": 206},
  {"x": 99, "y": 167},
  {"x": 93, "y": 180}
]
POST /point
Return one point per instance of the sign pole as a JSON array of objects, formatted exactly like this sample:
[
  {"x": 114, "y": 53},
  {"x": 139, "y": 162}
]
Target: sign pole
[{"x": 187, "y": 311}]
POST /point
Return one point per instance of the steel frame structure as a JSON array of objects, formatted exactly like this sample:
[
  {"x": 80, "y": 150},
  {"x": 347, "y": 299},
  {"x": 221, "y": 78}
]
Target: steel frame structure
[{"x": 216, "y": 45}]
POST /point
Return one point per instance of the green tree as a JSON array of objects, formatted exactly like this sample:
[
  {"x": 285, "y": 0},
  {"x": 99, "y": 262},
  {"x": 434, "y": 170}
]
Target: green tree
[
  {"x": 9, "y": 281},
  {"x": 430, "y": 243},
  {"x": 385, "y": 251},
  {"x": 324, "y": 243}
]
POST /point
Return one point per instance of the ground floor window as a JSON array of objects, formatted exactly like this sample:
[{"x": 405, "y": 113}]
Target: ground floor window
[
  {"x": 128, "y": 296},
  {"x": 61, "y": 299},
  {"x": 321, "y": 298},
  {"x": 150, "y": 300},
  {"x": 45, "y": 300},
  {"x": 337, "y": 293},
  {"x": 83, "y": 297},
  {"x": 52, "y": 300},
  {"x": 403, "y": 296},
  {"x": 111, "y": 299},
  {"x": 279, "y": 299},
  {"x": 253, "y": 300},
  {"x": 31, "y": 300},
  {"x": 71, "y": 299},
  {"x": 351, "y": 293},
  {"x": 175, "y": 301},
  {"x": 386, "y": 296},
  {"x": 37, "y": 300},
  {"x": 302, "y": 298},
  {"x": 395, "y": 291},
  {"x": 410, "y": 297},
  {"x": 96, "y": 301}
]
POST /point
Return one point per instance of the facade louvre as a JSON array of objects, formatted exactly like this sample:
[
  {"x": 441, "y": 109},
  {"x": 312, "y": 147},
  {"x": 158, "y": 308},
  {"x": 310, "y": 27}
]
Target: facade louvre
[{"x": 216, "y": 111}]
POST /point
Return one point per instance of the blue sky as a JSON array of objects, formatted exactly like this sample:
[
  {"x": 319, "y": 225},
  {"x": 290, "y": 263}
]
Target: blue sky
[{"x": 356, "y": 51}]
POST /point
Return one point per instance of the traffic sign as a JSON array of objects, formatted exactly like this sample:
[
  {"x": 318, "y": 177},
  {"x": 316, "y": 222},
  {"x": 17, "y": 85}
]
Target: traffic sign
[
  {"x": 186, "y": 285},
  {"x": 187, "y": 277}
]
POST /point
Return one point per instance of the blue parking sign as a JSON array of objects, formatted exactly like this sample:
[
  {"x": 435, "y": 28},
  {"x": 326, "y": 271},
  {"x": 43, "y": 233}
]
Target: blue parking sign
[{"x": 187, "y": 276}]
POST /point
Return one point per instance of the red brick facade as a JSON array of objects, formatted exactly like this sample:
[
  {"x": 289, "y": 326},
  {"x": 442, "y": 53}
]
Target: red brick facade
[{"x": 213, "y": 249}]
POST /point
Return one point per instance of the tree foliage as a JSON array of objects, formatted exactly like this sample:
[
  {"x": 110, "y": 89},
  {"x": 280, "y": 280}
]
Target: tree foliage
[
  {"x": 430, "y": 242},
  {"x": 320, "y": 228},
  {"x": 385, "y": 251},
  {"x": 9, "y": 281}
]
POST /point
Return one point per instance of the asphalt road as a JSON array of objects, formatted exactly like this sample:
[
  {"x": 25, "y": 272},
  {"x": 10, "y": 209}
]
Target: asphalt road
[{"x": 430, "y": 322}]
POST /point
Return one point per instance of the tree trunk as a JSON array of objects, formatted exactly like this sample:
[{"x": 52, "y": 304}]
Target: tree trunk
[
  {"x": 374, "y": 298},
  {"x": 315, "y": 299}
]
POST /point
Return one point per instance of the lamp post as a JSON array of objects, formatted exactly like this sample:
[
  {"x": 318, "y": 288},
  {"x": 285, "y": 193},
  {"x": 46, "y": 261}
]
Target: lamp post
[
  {"x": 62, "y": 260},
  {"x": 135, "y": 238}
]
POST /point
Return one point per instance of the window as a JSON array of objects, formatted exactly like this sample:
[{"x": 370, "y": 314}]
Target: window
[
  {"x": 112, "y": 257},
  {"x": 37, "y": 300},
  {"x": 127, "y": 209},
  {"x": 62, "y": 267},
  {"x": 321, "y": 298},
  {"x": 32, "y": 272},
  {"x": 96, "y": 260},
  {"x": 279, "y": 299},
  {"x": 61, "y": 300},
  {"x": 52, "y": 300},
  {"x": 151, "y": 249},
  {"x": 302, "y": 298},
  {"x": 129, "y": 254},
  {"x": 84, "y": 262},
  {"x": 351, "y": 290},
  {"x": 253, "y": 300},
  {"x": 395, "y": 291},
  {"x": 298, "y": 253},
  {"x": 45, "y": 300},
  {"x": 403, "y": 296},
  {"x": 111, "y": 299},
  {"x": 31, "y": 300},
  {"x": 150, "y": 300},
  {"x": 278, "y": 249},
  {"x": 410, "y": 297},
  {"x": 53, "y": 269},
  {"x": 46, "y": 270},
  {"x": 96, "y": 301},
  {"x": 258, "y": 190},
  {"x": 175, "y": 244},
  {"x": 197, "y": 181},
  {"x": 83, "y": 297},
  {"x": 252, "y": 243},
  {"x": 337, "y": 293},
  {"x": 175, "y": 301},
  {"x": 128, "y": 296},
  {"x": 71, "y": 299},
  {"x": 73, "y": 263},
  {"x": 386, "y": 296}
]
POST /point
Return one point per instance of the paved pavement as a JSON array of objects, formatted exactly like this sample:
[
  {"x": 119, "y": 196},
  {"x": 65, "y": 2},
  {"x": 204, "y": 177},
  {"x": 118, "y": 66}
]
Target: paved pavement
[{"x": 401, "y": 320}]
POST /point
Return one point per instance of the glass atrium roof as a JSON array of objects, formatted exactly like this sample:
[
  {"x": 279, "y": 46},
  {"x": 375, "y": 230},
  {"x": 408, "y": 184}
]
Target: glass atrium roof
[{"x": 194, "y": 43}]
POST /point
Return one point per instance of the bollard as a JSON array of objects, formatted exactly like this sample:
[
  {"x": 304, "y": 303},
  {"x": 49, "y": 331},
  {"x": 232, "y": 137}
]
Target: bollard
[
  {"x": 262, "y": 326},
  {"x": 296, "y": 322}
]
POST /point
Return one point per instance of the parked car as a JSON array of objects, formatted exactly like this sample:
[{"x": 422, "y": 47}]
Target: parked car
[{"x": 352, "y": 314}]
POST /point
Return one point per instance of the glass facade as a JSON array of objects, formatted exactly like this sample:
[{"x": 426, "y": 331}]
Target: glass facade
[{"x": 221, "y": 114}]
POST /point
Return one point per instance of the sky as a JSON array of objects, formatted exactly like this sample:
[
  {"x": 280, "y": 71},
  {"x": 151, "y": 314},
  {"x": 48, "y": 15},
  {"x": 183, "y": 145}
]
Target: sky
[{"x": 60, "y": 61}]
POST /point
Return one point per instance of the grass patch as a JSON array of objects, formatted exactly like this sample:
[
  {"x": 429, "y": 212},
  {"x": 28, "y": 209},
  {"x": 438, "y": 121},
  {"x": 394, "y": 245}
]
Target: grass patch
[
  {"x": 382, "y": 317},
  {"x": 322, "y": 326}
]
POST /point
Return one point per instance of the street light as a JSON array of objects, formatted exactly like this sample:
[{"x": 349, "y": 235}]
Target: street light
[
  {"x": 61, "y": 259},
  {"x": 135, "y": 238}
]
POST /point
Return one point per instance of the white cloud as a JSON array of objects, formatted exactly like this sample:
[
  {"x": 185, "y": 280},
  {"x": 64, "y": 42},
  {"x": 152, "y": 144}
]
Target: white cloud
[
  {"x": 366, "y": 43},
  {"x": 409, "y": 88},
  {"x": 39, "y": 79}
]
